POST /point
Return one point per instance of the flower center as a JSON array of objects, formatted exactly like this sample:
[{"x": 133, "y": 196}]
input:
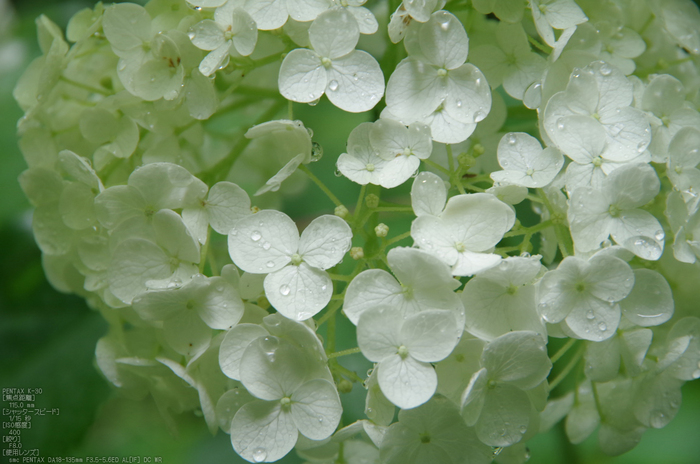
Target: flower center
[
  {"x": 370, "y": 167},
  {"x": 442, "y": 72},
  {"x": 402, "y": 351},
  {"x": 597, "y": 161},
  {"x": 614, "y": 211},
  {"x": 296, "y": 259},
  {"x": 326, "y": 62},
  {"x": 459, "y": 246}
]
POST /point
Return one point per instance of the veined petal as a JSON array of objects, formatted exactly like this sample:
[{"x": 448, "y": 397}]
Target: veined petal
[
  {"x": 325, "y": 241},
  {"x": 406, "y": 382},
  {"x": 263, "y": 242},
  {"x": 298, "y": 292},
  {"x": 355, "y": 82},
  {"x": 262, "y": 431},
  {"x": 302, "y": 76}
]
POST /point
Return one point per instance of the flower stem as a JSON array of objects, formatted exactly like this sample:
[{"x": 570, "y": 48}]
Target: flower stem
[
  {"x": 562, "y": 351},
  {"x": 320, "y": 185},
  {"x": 347, "y": 352},
  {"x": 567, "y": 369}
]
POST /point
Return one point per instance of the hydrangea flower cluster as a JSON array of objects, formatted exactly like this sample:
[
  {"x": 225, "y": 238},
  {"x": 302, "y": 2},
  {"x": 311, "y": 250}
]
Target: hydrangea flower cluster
[{"x": 522, "y": 251}]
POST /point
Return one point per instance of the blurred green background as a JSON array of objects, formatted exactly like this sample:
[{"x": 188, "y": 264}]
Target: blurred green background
[{"x": 47, "y": 339}]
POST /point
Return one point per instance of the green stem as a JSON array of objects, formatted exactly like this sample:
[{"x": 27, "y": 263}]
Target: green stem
[
  {"x": 539, "y": 45},
  {"x": 320, "y": 184},
  {"x": 221, "y": 169},
  {"x": 434, "y": 165},
  {"x": 562, "y": 351},
  {"x": 342, "y": 278},
  {"x": 360, "y": 202},
  {"x": 398, "y": 238},
  {"x": 567, "y": 369},
  {"x": 393, "y": 209},
  {"x": 204, "y": 251},
  {"x": 531, "y": 230},
  {"x": 80, "y": 85},
  {"x": 473, "y": 187},
  {"x": 332, "y": 308},
  {"x": 347, "y": 352},
  {"x": 346, "y": 372}
]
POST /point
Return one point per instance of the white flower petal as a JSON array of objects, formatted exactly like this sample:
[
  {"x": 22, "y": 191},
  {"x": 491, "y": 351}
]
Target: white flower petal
[
  {"x": 298, "y": 292},
  {"x": 406, "y": 382},
  {"x": 234, "y": 344},
  {"x": 428, "y": 194},
  {"x": 262, "y": 432},
  {"x": 325, "y": 241},
  {"x": 316, "y": 409},
  {"x": 355, "y": 82},
  {"x": 302, "y": 76},
  {"x": 263, "y": 242}
]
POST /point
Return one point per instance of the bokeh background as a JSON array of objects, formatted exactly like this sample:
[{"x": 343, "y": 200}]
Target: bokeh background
[{"x": 47, "y": 339}]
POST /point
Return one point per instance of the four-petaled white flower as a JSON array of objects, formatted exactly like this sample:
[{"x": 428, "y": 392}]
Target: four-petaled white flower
[
  {"x": 231, "y": 27},
  {"x": 434, "y": 85},
  {"x": 404, "y": 346},
  {"x": 296, "y": 284},
  {"x": 351, "y": 79}
]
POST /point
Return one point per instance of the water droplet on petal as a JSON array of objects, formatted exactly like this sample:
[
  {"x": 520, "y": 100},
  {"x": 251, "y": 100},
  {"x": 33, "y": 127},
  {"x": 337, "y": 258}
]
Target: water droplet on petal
[
  {"x": 269, "y": 345},
  {"x": 602, "y": 326},
  {"x": 523, "y": 429},
  {"x": 259, "y": 454},
  {"x": 590, "y": 315},
  {"x": 270, "y": 264},
  {"x": 512, "y": 139},
  {"x": 255, "y": 236},
  {"x": 284, "y": 290},
  {"x": 333, "y": 85},
  {"x": 191, "y": 35},
  {"x": 659, "y": 235},
  {"x": 605, "y": 69},
  {"x": 266, "y": 246}
]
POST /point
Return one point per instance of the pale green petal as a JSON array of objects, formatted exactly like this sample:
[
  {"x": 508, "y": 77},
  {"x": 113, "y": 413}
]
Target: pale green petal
[
  {"x": 594, "y": 319},
  {"x": 77, "y": 206},
  {"x": 220, "y": 307},
  {"x": 658, "y": 400},
  {"x": 245, "y": 32},
  {"x": 398, "y": 170},
  {"x": 441, "y": 41},
  {"x": 610, "y": 278},
  {"x": 50, "y": 232},
  {"x": 650, "y": 302},
  {"x": 262, "y": 432},
  {"x": 428, "y": 194},
  {"x": 172, "y": 234},
  {"x": 200, "y": 96},
  {"x": 469, "y": 95},
  {"x": 215, "y": 60},
  {"x": 379, "y": 332},
  {"x": 379, "y": 409},
  {"x": 135, "y": 262},
  {"x": 41, "y": 186},
  {"x": 268, "y": 14},
  {"x": 126, "y": 25},
  {"x": 419, "y": 270},
  {"x": 234, "y": 344},
  {"x": 272, "y": 368},
  {"x": 186, "y": 333},
  {"x": 167, "y": 185},
  {"x": 519, "y": 358},
  {"x": 602, "y": 360},
  {"x": 228, "y": 405},
  {"x": 118, "y": 203},
  {"x": 583, "y": 418},
  {"x": 505, "y": 416},
  {"x": 478, "y": 220},
  {"x": 207, "y": 35}
]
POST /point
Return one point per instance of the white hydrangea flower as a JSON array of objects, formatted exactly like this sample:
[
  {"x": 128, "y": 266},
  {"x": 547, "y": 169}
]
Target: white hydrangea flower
[
  {"x": 555, "y": 14},
  {"x": 433, "y": 432},
  {"x": 404, "y": 346},
  {"x": 502, "y": 299},
  {"x": 296, "y": 284},
  {"x": 149, "y": 189},
  {"x": 584, "y": 141},
  {"x": 686, "y": 243},
  {"x": 525, "y": 163},
  {"x": 602, "y": 93},
  {"x": 613, "y": 210},
  {"x": 496, "y": 401},
  {"x": 351, "y": 79},
  {"x": 464, "y": 233},
  {"x": 365, "y": 18},
  {"x": 290, "y": 402},
  {"x": 434, "y": 85},
  {"x": 191, "y": 311},
  {"x": 510, "y": 61},
  {"x": 231, "y": 28},
  {"x": 664, "y": 102},
  {"x": 586, "y": 294},
  {"x": 422, "y": 282},
  {"x": 150, "y": 64},
  {"x": 385, "y": 152},
  {"x": 163, "y": 257}
]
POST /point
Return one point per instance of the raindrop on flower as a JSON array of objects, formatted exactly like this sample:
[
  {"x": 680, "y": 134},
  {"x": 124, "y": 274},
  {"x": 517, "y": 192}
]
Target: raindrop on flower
[
  {"x": 602, "y": 326},
  {"x": 590, "y": 315},
  {"x": 269, "y": 345},
  {"x": 659, "y": 235},
  {"x": 259, "y": 455},
  {"x": 284, "y": 290},
  {"x": 333, "y": 85},
  {"x": 605, "y": 69},
  {"x": 270, "y": 264},
  {"x": 255, "y": 236},
  {"x": 512, "y": 139}
]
